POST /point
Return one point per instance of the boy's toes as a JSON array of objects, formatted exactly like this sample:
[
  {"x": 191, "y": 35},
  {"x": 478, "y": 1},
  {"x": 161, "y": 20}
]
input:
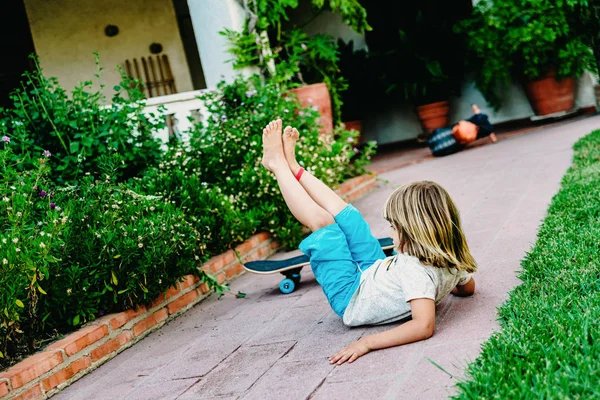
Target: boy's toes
[
  {"x": 295, "y": 134},
  {"x": 287, "y": 131}
]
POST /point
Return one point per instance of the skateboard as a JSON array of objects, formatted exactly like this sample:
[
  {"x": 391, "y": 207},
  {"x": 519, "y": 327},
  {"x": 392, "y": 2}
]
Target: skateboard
[{"x": 291, "y": 267}]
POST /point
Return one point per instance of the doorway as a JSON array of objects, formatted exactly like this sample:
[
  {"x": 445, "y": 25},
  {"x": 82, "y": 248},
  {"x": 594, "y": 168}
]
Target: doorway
[{"x": 17, "y": 45}]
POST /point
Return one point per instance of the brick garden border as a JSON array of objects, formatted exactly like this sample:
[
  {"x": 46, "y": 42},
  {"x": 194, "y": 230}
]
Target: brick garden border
[{"x": 45, "y": 373}]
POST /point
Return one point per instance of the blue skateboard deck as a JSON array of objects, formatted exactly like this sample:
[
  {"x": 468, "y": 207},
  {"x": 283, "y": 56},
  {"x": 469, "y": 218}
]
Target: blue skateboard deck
[{"x": 291, "y": 267}]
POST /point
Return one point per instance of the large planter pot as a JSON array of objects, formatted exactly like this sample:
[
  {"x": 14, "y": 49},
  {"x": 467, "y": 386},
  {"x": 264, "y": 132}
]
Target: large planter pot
[
  {"x": 317, "y": 95},
  {"x": 434, "y": 115},
  {"x": 355, "y": 125},
  {"x": 548, "y": 96}
]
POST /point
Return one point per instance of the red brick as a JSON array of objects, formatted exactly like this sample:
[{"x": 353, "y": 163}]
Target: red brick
[
  {"x": 163, "y": 298},
  {"x": 234, "y": 270},
  {"x": 189, "y": 281},
  {"x": 77, "y": 341},
  {"x": 148, "y": 322},
  {"x": 255, "y": 240},
  {"x": 67, "y": 373},
  {"x": 214, "y": 264},
  {"x": 183, "y": 301},
  {"x": 110, "y": 346},
  {"x": 245, "y": 247},
  {"x": 228, "y": 258},
  {"x": 263, "y": 236},
  {"x": 264, "y": 252},
  {"x": 4, "y": 388},
  {"x": 274, "y": 245},
  {"x": 344, "y": 189},
  {"x": 251, "y": 257},
  {"x": 204, "y": 288},
  {"x": 32, "y": 367},
  {"x": 32, "y": 394},
  {"x": 220, "y": 278},
  {"x": 120, "y": 319},
  {"x": 206, "y": 268}
]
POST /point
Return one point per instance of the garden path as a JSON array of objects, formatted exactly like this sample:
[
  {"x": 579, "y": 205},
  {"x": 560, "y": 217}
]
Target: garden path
[{"x": 271, "y": 346}]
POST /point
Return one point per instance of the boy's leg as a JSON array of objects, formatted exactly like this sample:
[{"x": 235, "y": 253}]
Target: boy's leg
[
  {"x": 302, "y": 206},
  {"x": 364, "y": 247}
]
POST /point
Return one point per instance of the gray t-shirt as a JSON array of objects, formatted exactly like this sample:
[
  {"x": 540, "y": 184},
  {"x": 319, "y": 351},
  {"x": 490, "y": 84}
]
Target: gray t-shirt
[{"x": 388, "y": 285}]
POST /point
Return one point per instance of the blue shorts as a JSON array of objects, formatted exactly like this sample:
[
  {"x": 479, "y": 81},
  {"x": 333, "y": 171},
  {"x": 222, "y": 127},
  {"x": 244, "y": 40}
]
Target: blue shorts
[{"x": 339, "y": 253}]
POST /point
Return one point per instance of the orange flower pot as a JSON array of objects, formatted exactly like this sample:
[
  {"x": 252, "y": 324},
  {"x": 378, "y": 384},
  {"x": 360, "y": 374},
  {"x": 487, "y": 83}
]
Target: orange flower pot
[
  {"x": 317, "y": 95},
  {"x": 548, "y": 96},
  {"x": 433, "y": 116}
]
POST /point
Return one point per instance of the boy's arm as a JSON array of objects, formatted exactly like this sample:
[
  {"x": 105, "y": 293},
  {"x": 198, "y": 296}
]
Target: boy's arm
[
  {"x": 420, "y": 327},
  {"x": 465, "y": 290}
]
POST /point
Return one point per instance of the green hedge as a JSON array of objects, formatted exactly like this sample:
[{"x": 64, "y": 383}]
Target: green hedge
[
  {"x": 547, "y": 347},
  {"x": 99, "y": 227}
]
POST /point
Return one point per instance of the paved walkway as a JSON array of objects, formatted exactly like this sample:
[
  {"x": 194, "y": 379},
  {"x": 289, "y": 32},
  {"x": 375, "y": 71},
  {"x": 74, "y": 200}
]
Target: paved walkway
[{"x": 274, "y": 346}]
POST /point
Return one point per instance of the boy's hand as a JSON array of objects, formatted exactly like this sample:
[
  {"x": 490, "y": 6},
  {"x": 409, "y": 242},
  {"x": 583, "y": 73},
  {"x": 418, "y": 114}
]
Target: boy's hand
[{"x": 350, "y": 353}]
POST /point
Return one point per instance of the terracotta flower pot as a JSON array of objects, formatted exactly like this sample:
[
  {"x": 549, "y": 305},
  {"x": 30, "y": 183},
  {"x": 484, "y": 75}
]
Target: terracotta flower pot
[
  {"x": 434, "y": 115},
  {"x": 548, "y": 96},
  {"x": 317, "y": 95},
  {"x": 355, "y": 125}
]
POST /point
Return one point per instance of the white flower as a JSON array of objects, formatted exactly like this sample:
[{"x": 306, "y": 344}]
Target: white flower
[
  {"x": 140, "y": 245},
  {"x": 69, "y": 291},
  {"x": 18, "y": 250},
  {"x": 58, "y": 208},
  {"x": 5, "y": 261},
  {"x": 42, "y": 233},
  {"x": 42, "y": 245},
  {"x": 15, "y": 240},
  {"x": 5, "y": 199}
]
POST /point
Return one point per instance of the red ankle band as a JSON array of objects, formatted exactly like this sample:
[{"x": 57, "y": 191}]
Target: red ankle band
[{"x": 299, "y": 174}]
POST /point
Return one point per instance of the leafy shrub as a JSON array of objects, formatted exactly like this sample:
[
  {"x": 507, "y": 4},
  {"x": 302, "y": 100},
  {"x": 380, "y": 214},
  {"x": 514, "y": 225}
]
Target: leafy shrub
[
  {"x": 76, "y": 252},
  {"x": 79, "y": 128},
  {"x": 178, "y": 178},
  {"x": 523, "y": 39},
  {"x": 240, "y": 111},
  {"x": 30, "y": 247}
]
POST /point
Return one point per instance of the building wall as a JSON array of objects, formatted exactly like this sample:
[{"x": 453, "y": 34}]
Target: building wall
[{"x": 67, "y": 32}]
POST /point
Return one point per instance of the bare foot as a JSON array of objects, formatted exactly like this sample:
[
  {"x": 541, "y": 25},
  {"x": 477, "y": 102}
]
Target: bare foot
[
  {"x": 273, "y": 156},
  {"x": 493, "y": 138},
  {"x": 290, "y": 137}
]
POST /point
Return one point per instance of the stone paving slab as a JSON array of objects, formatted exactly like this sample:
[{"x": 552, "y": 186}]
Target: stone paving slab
[{"x": 272, "y": 346}]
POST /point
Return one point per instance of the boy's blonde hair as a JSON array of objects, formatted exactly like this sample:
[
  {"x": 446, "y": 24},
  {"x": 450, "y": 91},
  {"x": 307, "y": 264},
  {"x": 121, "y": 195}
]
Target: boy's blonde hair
[{"x": 428, "y": 226}]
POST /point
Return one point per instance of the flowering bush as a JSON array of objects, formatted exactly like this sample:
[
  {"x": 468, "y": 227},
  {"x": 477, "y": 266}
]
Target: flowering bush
[
  {"x": 177, "y": 178},
  {"x": 30, "y": 246},
  {"x": 226, "y": 150},
  {"x": 79, "y": 128},
  {"x": 73, "y": 253}
]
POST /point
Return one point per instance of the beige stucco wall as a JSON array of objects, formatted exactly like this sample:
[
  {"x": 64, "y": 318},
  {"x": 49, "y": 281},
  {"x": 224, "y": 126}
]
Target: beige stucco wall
[{"x": 67, "y": 32}]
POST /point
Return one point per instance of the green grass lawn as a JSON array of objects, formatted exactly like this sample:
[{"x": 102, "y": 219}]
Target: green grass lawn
[{"x": 549, "y": 343}]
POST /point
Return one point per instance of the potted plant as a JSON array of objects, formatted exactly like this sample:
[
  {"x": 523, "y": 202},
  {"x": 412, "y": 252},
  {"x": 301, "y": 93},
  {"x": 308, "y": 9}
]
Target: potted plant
[
  {"x": 307, "y": 66},
  {"x": 529, "y": 41},
  {"x": 357, "y": 100},
  {"x": 586, "y": 21},
  {"x": 419, "y": 57}
]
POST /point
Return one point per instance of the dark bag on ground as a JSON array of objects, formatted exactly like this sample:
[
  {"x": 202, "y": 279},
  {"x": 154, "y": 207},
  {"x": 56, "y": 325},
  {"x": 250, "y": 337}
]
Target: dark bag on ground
[{"x": 442, "y": 142}]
